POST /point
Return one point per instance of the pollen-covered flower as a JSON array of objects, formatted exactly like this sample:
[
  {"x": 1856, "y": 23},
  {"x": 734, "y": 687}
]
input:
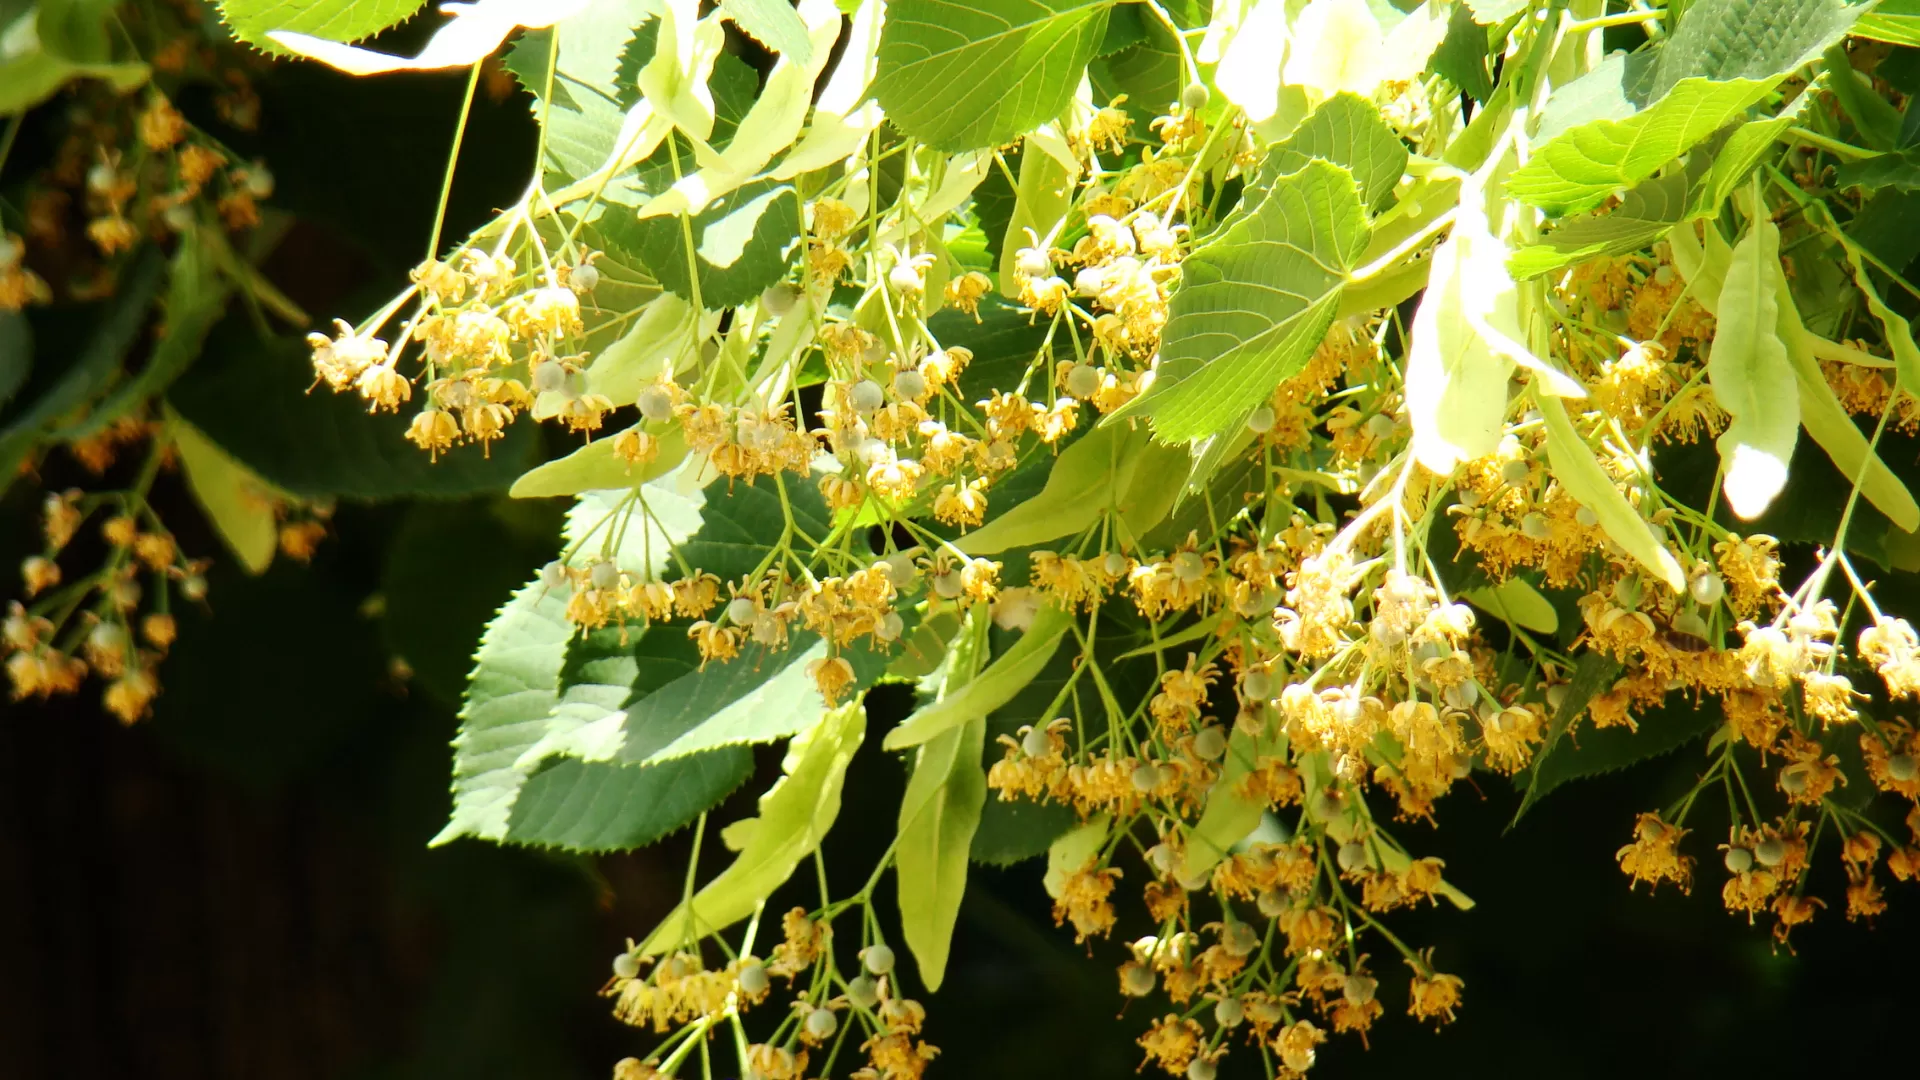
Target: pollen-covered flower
[{"x": 1654, "y": 855}]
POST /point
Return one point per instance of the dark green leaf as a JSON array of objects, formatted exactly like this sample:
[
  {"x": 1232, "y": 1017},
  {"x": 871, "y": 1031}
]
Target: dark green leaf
[
  {"x": 1899, "y": 171},
  {"x": 1461, "y": 58},
  {"x": 595, "y": 806},
  {"x": 743, "y": 241},
  {"x": 89, "y": 372},
  {"x": 249, "y": 394}
]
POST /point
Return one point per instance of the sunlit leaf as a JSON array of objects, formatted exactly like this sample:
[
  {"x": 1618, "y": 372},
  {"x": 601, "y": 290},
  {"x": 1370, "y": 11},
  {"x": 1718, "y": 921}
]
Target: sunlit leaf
[
  {"x": 959, "y": 76},
  {"x": 1254, "y": 303}
]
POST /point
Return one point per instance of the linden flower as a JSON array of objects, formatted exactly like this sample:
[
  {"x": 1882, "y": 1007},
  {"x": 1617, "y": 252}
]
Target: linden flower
[
  {"x": 1296, "y": 1045},
  {"x": 1432, "y": 995},
  {"x": 339, "y": 361},
  {"x": 961, "y": 505},
  {"x": 1654, "y": 856},
  {"x": 1172, "y": 1042},
  {"x": 1085, "y": 900},
  {"x": 832, "y": 674},
  {"x": 433, "y": 430}
]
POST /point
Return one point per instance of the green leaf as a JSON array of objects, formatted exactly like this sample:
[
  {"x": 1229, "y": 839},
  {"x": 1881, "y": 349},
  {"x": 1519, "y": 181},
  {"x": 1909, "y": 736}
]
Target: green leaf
[
  {"x": 595, "y": 806},
  {"x": 16, "y": 354},
  {"x": 1593, "y": 673},
  {"x": 1147, "y": 71},
  {"x": 513, "y": 689},
  {"x": 583, "y": 121},
  {"x": 40, "y": 52},
  {"x": 1581, "y": 167},
  {"x": 772, "y": 23},
  {"x": 1644, "y": 215},
  {"x": 795, "y": 815},
  {"x": 596, "y": 467},
  {"x": 1897, "y": 21},
  {"x": 1230, "y": 814},
  {"x": 1040, "y": 204},
  {"x": 1348, "y": 132},
  {"x": 1877, "y": 121},
  {"x": 249, "y": 394},
  {"x": 964, "y": 76},
  {"x": 1596, "y": 751},
  {"x": 1726, "y": 40},
  {"x": 1254, "y": 303},
  {"x": 1517, "y": 602},
  {"x": 992, "y": 688},
  {"x": 197, "y": 296},
  {"x": 1828, "y": 422},
  {"x": 938, "y": 817},
  {"x": 1751, "y": 376},
  {"x": 238, "y": 502},
  {"x": 1573, "y": 465},
  {"x": 338, "y": 20},
  {"x": 743, "y": 241},
  {"x": 1073, "y": 850},
  {"x": 87, "y": 374},
  {"x": 1899, "y": 170},
  {"x": 1461, "y": 58},
  {"x": 1098, "y": 474}
]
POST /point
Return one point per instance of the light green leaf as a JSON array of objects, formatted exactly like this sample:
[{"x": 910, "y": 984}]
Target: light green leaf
[
  {"x": 1518, "y": 603},
  {"x": 1229, "y": 814},
  {"x": 1747, "y": 39},
  {"x": 1897, "y": 331},
  {"x": 1040, "y": 204},
  {"x": 584, "y": 123},
  {"x": 1831, "y": 427},
  {"x": 964, "y": 76},
  {"x": 992, "y": 688},
  {"x": 1644, "y": 215},
  {"x": 795, "y": 815},
  {"x": 772, "y": 23},
  {"x": 941, "y": 811},
  {"x": 938, "y": 816},
  {"x": 1897, "y": 21},
  {"x": 1349, "y": 132},
  {"x": 238, "y": 502},
  {"x": 1574, "y": 466},
  {"x": 596, "y": 467},
  {"x": 1254, "y": 303},
  {"x": 1581, "y": 167},
  {"x": 1751, "y": 376},
  {"x": 1074, "y": 850},
  {"x": 336, "y": 20},
  {"x": 35, "y": 62},
  {"x": 1100, "y": 472}
]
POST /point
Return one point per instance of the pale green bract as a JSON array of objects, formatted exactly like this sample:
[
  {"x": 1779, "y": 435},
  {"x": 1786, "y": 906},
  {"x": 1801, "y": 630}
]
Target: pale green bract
[
  {"x": 961, "y": 76},
  {"x": 1254, "y": 303},
  {"x": 1751, "y": 376},
  {"x": 992, "y": 688},
  {"x": 795, "y": 815},
  {"x": 939, "y": 814}
]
